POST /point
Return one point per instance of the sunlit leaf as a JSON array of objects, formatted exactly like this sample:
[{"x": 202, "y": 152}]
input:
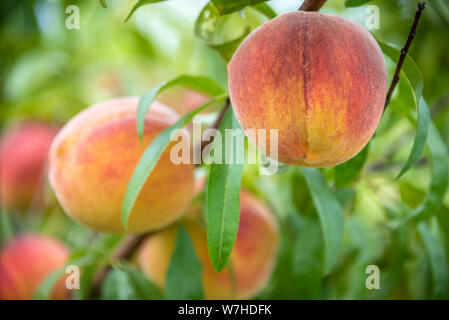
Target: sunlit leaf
[
  {"x": 330, "y": 213},
  {"x": 197, "y": 83},
  {"x": 151, "y": 156},
  {"x": 223, "y": 197},
  {"x": 206, "y": 27},
  {"x": 230, "y": 6},
  {"x": 139, "y": 4},
  {"x": 265, "y": 9},
  {"x": 184, "y": 275}
]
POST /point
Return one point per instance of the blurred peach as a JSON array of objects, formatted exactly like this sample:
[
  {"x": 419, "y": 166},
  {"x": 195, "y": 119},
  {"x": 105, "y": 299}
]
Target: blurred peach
[
  {"x": 23, "y": 154},
  {"x": 253, "y": 257},
  {"x": 26, "y": 262}
]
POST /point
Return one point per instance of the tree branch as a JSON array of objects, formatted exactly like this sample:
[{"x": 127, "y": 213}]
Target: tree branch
[
  {"x": 404, "y": 50},
  {"x": 202, "y": 144},
  {"x": 312, "y": 5}
]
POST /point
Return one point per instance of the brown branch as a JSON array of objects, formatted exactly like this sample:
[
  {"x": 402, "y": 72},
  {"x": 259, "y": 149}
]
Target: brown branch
[
  {"x": 125, "y": 251},
  {"x": 404, "y": 50},
  {"x": 312, "y": 5},
  {"x": 202, "y": 144}
]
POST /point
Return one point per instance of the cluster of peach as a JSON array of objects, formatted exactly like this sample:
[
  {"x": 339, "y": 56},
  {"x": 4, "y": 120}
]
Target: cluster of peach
[{"x": 320, "y": 80}]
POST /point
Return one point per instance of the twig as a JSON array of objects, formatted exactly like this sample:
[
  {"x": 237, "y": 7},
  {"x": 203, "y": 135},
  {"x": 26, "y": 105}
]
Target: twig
[
  {"x": 202, "y": 144},
  {"x": 125, "y": 251},
  {"x": 404, "y": 50},
  {"x": 312, "y": 5}
]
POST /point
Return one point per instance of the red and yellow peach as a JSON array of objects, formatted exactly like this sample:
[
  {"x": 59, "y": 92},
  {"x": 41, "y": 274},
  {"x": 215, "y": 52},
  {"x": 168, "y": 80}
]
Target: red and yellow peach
[
  {"x": 92, "y": 160},
  {"x": 319, "y": 79}
]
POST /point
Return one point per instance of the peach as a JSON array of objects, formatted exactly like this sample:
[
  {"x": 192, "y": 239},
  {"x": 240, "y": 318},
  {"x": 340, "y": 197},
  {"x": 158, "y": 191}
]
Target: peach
[
  {"x": 23, "y": 154},
  {"x": 92, "y": 160},
  {"x": 319, "y": 79},
  {"x": 26, "y": 262},
  {"x": 253, "y": 257}
]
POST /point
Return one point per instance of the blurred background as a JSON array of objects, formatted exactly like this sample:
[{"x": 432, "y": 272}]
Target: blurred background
[{"x": 49, "y": 73}]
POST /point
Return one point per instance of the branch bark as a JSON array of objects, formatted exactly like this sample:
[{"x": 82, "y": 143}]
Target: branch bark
[
  {"x": 404, "y": 51},
  {"x": 202, "y": 144},
  {"x": 312, "y": 5}
]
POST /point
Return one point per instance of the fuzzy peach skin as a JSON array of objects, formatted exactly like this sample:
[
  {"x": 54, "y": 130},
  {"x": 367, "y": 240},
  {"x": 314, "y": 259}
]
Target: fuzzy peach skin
[
  {"x": 23, "y": 154},
  {"x": 253, "y": 257},
  {"x": 319, "y": 79},
  {"x": 92, "y": 160},
  {"x": 26, "y": 262}
]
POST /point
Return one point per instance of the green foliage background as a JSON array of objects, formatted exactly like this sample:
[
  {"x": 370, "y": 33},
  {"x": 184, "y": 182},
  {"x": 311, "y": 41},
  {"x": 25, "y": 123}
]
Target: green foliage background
[{"x": 50, "y": 73}]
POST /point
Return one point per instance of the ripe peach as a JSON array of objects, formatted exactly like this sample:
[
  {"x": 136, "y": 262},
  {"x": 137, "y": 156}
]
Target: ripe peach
[
  {"x": 319, "y": 79},
  {"x": 253, "y": 257},
  {"x": 92, "y": 160},
  {"x": 23, "y": 154},
  {"x": 26, "y": 262}
]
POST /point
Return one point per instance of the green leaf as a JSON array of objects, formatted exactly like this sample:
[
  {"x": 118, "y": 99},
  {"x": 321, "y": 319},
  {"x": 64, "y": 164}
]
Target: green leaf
[
  {"x": 346, "y": 172},
  {"x": 420, "y": 139},
  {"x": 227, "y": 49},
  {"x": 265, "y": 9},
  {"x": 198, "y": 83},
  {"x": 44, "y": 290},
  {"x": 230, "y": 6},
  {"x": 125, "y": 282},
  {"x": 104, "y": 3},
  {"x": 6, "y": 231},
  {"x": 184, "y": 275},
  {"x": 145, "y": 290},
  {"x": 223, "y": 196},
  {"x": 411, "y": 76},
  {"x": 409, "y": 67},
  {"x": 206, "y": 27},
  {"x": 330, "y": 213},
  {"x": 308, "y": 259},
  {"x": 117, "y": 286},
  {"x": 138, "y": 5},
  {"x": 151, "y": 156},
  {"x": 439, "y": 179},
  {"x": 355, "y": 3},
  {"x": 437, "y": 258}
]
